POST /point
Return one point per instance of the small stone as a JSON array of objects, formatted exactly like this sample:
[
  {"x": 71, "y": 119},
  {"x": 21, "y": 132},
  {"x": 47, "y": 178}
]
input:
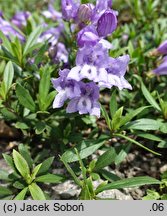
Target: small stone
[{"x": 163, "y": 168}]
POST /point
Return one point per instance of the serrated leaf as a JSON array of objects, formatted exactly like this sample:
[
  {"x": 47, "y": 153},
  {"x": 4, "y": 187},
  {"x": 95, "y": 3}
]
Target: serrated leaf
[
  {"x": 105, "y": 159},
  {"x": 50, "y": 178},
  {"x": 25, "y": 98},
  {"x": 45, "y": 165},
  {"x": 36, "y": 192},
  {"x": 22, "y": 194},
  {"x": 129, "y": 183},
  {"x": 21, "y": 164}
]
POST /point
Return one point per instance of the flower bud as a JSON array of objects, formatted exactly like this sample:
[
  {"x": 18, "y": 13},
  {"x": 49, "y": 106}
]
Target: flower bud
[
  {"x": 84, "y": 12},
  {"x": 107, "y": 23}
]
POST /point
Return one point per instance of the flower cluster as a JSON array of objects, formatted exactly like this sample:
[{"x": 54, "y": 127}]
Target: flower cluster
[
  {"x": 57, "y": 50},
  {"x": 19, "y": 20},
  {"x": 94, "y": 67},
  {"x": 162, "y": 68}
]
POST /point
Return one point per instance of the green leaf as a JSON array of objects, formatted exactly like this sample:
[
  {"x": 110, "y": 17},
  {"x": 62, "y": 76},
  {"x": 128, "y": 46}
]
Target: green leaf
[
  {"x": 151, "y": 195},
  {"x": 106, "y": 116},
  {"x": 44, "y": 87},
  {"x": 35, "y": 171},
  {"x": 9, "y": 161},
  {"x": 129, "y": 183},
  {"x": 149, "y": 97},
  {"x": 19, "y": 184},
  {"x": 76, "y": 179},
  {"x": 5, "y": 191},
  {"x": 115, "y": 123},
  {"x": 45, "y": 165},
  {"x": 149, "y": 136},
  {"x": 22, "y": 194},
  {"x": 6, "y": 42},
  {"x": 50, "y": 178},
  {"x": 128, "y": 117},
  {"x": 113, "y": 104},
  {"x": 85, "y": 148},
  {"x": 36, "y": 192},
  {"x": 32, "y": 39},
  {"x": 8, "y": 114},
  {"x": 122, "y": 154},
  {"x": 21, "y": 164},
  {"x": 4, "y": 175},
  {"x": 109, "y": 176},
  {"x": 7, "y": 78},
  {"x": 40, "y": 127},
  {"x": 144, "y": 124},
  {"x": 105, "y": 159},
  {"x": 26, "y": 154},
  {"x": 137, "y": 143},
  {"x": 21, "y": 125},
  {"x": 25, "y": 98}
]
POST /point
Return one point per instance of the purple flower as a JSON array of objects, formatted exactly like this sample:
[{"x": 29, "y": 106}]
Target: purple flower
[
  {"x": 69, "y": 9},
  {"x": 162, "y": 68},
  {"x": 51, "y": 13},
  {"x": 67, "y": 89},
  {"x": 20, "y": 19},
  {"x": 115, "y": 73},
  {"x": 162, "y": 49},
  {"x": 107, "y": 23},
  {"x": 58, "y": 53},
  {"x": 87, "y": 36},
  {"x": 84, "y": 12},
  {"x": 87, "y": 101},
  {"x": 91, "y": 62},
  {"x": 9, "y": 31},
  {"x": 103, "y": 4},
  {"x": 52, "y": 35}
]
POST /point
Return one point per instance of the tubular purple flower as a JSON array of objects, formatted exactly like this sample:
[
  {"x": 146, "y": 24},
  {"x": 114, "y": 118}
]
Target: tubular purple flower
[
  {"x": 87, "y": 102},
  {"x": 115, "y": 73},
  {"x": 162, "y": 49},
  {"x": 107, "y": 23},
  {"x": 87, "y": 36},
  {"x": 51, "y": 13},
  {"x": 67, "y": 89},
  {"x": 8, "y": 30},
  {"x": 103, "y": 4},
  {"x": 69, "y": 9},
  {"x": 52, "y": 34},
  {"x": 91, "y": 62},
  {"x": 20, "y": 19},
  {"x": 162, "y": 68}
]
